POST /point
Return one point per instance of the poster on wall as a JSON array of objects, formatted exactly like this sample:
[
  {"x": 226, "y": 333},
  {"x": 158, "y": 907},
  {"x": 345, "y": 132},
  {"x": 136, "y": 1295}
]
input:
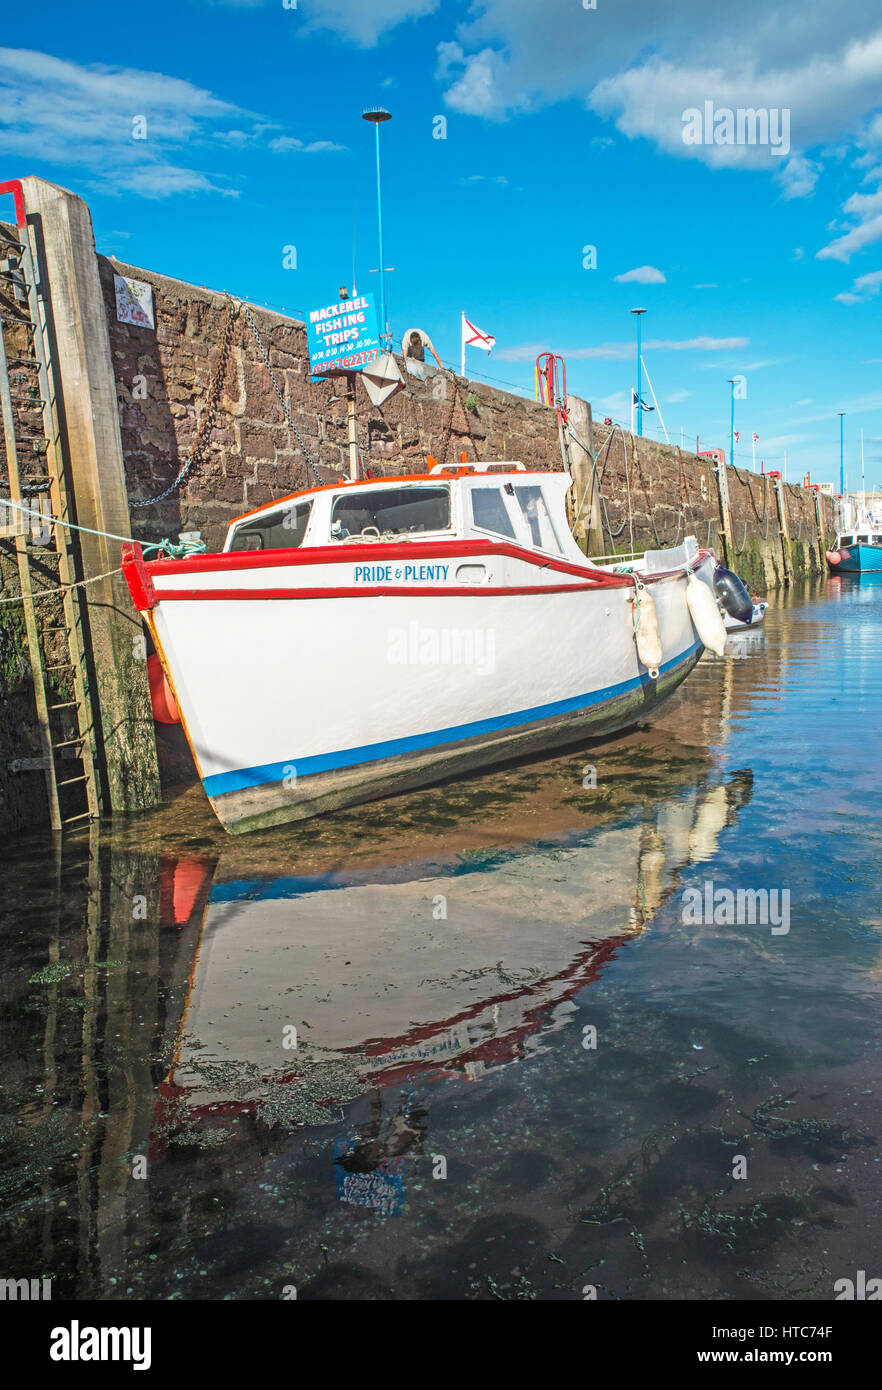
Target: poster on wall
[
  {"x": 134, "y": 301},
  {"x": 343, "y": 337}
]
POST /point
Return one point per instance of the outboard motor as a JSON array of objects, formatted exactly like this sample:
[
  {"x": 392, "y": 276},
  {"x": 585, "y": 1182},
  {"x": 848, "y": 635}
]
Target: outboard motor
[{"x": 732, "y": 594}]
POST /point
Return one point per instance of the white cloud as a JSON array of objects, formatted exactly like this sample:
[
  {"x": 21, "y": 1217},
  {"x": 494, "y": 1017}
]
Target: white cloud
[
  {"x": 474, "y": 90},
  {"x": 823, "y": 69},
  {"x": 82, "y": 115},
  {"x": 642, "y": 275},
  {"x": 676, "y": 397},
  {"x": 842, "y": 248},
  {"x": 359, "y": 21},
  {"x": 286, "y": 144},
  {"x": 620, "y": 352},
  {"x": 865, "y": 287},
  {"x": 798, "y": 177}
]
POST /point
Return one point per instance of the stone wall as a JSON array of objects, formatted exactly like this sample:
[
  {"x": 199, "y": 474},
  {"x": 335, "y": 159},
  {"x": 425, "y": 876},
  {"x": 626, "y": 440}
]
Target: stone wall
[
  {"x": 673, "y": 492},
  {"x": 251, "y": 456}
]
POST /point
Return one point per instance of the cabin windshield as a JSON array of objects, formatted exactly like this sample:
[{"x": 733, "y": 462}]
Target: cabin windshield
[
  {"x": 281, "y": 529},
  {"x": 393, "y": 511},
  {"x": 532, "y": 503}
]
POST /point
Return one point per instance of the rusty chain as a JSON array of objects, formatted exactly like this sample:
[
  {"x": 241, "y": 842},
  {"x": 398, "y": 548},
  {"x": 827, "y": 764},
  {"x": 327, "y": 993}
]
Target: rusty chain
[
  {"x": 307, "y": 456},
  {"x": 208, "y": 414},
  {"x": 447, "y": 428}
]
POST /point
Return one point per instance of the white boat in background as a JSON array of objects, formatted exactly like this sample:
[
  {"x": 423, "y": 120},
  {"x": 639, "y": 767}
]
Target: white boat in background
[
  {"x": 368, "y": 637},
  {"x": 735, "y": 624}
]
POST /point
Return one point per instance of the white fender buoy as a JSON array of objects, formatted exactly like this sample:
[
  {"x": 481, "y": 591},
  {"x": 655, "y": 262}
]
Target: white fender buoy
[
  {"x": 646, "y": 633},
  {"x": 705, "y": 614}
]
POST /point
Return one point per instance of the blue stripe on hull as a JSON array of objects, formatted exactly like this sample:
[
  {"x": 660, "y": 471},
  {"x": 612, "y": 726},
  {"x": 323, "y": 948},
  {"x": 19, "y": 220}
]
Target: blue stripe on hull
[
  {"x": 219, "y": 782},
  {"x": 859, "y": 558}
]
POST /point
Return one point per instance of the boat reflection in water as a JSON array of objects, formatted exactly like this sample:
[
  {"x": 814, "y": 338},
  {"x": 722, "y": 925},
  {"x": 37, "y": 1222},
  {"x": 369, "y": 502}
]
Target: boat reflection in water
[{"x": 310, "y": 990}]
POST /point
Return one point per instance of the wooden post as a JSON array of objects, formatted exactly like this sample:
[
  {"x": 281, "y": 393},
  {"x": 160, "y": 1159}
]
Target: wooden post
[
  {"x": 725, "y": 513},
  {"x": 822, "y": 540},
  {"x": 784, "y": 531},
  {"x": 75, "y": 327},
  {"x": 586, "y": 490},
  {"x": 352, "y": 426}
]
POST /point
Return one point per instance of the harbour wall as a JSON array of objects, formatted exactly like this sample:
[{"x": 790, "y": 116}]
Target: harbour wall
[
  {"x": 194, "y": 391},
  {"x": 252, "y": 455}
]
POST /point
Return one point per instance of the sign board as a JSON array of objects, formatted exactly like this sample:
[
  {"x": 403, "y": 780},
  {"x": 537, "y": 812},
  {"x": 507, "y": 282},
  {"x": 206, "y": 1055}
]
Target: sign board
[
  {"x": 134, "y": 301},
  {"x": 343, "y": 337}
]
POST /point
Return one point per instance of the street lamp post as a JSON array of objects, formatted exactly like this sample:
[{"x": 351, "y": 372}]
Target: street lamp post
[
  {"x": 638, "y": 312},
  {"x": 841, "y": 453},
  {"x": 378, "y": 114},
  {"x": 732, "y": 423}
]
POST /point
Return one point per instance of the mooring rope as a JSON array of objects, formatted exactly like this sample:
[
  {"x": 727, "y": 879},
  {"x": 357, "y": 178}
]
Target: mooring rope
[
  {"x": 54, "y": 589},
  {"x": 176, "y": 550}
]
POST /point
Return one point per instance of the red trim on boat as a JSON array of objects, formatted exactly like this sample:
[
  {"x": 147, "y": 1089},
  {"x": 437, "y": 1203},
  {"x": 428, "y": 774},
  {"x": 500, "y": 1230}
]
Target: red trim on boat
[
  {"x": 376, "y": 554},
  {"x": 134, "y": 567}
]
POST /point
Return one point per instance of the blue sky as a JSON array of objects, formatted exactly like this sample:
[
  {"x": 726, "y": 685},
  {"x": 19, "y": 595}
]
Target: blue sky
[{"x": 564, "y": 130}]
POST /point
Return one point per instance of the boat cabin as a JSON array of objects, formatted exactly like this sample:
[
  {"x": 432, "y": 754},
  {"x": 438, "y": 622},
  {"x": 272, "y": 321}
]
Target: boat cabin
[
  {"x": 488, "y": 501},
  {"x": 867, "y": 537}
]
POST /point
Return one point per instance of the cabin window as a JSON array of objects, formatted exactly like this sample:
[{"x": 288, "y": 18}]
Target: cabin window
[
  {"x": 531, "y": 501},
  {"x": 847, "y": 540},
  {"x": 863, "y": 540},
  {"x": 490, "y": 513},
  {"x": 392, "y": 511},
  {"x": 282, "y": 529}
]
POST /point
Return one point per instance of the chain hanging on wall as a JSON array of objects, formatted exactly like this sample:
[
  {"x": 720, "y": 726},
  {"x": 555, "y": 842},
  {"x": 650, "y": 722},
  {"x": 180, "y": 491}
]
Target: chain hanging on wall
[
  {"x": 208, "y": 413},
  {"x": 307, "y": 456},
  {"x": 445, "y": 438}
]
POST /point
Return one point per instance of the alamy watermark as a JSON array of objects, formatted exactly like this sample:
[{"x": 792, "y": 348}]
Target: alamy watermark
[
  {"x": 746, "y": 125},
  {"x": 417, "y": 645},
  {"x": 32, "y": 519},
  {"x": 727, "y": 907}
]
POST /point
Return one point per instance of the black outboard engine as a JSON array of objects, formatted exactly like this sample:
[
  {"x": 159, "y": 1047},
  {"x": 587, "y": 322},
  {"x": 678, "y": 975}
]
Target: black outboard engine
[{"x": 732, "y": 594}]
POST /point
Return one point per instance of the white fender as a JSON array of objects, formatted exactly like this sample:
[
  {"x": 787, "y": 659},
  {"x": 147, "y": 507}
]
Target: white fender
[
  {"x": 705, "y": 614},
  {"x": 646, "y": 633}
]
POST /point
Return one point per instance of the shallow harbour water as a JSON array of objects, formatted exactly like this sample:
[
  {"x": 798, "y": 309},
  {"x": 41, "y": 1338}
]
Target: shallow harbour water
[{"x": 462, "y": 1044}]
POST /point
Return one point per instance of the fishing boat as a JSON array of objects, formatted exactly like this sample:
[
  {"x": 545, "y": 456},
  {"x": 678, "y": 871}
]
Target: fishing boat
[
  {"x": 370, "y": 636},
  {"x": 856, "y": 551}
]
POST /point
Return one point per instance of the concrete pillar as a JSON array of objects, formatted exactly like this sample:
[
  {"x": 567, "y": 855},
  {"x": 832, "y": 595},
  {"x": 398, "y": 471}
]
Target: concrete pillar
[
  {"x": 61, "y": 231},
  {"x": 588, "y": 532}
]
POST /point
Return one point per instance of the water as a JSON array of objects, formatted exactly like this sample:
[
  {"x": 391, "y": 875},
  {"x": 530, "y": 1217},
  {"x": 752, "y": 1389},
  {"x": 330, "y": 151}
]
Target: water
[{"x": 463, "y": 1044}]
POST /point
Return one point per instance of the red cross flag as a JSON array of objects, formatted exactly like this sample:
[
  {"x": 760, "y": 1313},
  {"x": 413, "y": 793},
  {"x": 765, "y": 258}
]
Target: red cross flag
[{"x": 474, "y": 337}]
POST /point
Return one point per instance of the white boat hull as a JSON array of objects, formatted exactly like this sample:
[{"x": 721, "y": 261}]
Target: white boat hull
[{"x": 327, "y": 689}]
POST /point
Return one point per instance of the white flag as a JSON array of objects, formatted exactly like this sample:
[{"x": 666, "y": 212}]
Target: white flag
[{"x": 473, "y": 337}]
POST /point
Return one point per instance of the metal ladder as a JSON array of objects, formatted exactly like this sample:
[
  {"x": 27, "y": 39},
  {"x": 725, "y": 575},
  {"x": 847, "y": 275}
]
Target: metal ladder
[{"x": 19, "y": 277}]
